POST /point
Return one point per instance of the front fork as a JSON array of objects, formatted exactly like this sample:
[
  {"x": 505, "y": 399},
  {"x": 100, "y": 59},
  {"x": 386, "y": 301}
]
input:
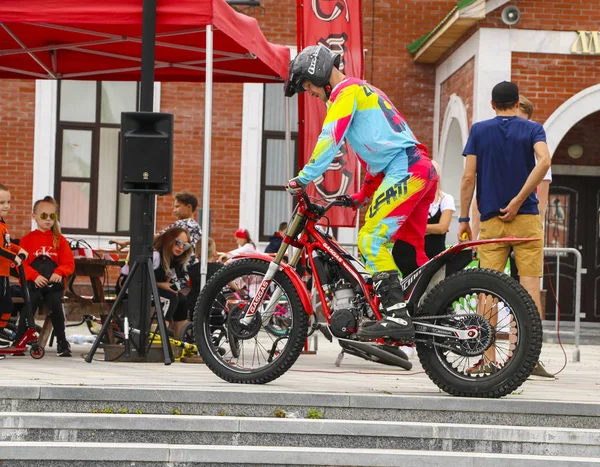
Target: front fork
[{"x": 267, "y": 313}]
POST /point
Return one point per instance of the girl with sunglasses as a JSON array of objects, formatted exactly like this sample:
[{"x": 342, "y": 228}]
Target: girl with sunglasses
[
  {"x": 172, "y": 250},
  {"x": 49, "y": 262}
]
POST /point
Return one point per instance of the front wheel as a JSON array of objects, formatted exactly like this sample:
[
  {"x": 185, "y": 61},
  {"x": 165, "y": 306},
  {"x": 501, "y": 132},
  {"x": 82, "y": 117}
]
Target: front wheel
[
  {"x": 258, "y": 352},
  {"x": 506, "y": 326}
]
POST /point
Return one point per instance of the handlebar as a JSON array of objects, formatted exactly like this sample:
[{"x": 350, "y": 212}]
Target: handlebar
[{"x": 343, "y": 200}]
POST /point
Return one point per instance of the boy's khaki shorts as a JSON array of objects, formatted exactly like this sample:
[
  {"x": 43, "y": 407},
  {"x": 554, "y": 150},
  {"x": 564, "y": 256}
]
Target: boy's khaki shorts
[{"x": 528, "y": 255}]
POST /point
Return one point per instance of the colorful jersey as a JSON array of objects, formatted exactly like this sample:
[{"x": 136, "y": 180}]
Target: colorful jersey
[
  {"x": 365, "y": 117},
  {"x": 38, "y": 243},
  {"x": 8, "y": 250}
]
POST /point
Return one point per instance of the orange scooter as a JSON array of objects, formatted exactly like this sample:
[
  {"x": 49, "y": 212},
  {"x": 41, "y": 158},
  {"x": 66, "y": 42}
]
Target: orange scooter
[{"x": 31, "y": 336}]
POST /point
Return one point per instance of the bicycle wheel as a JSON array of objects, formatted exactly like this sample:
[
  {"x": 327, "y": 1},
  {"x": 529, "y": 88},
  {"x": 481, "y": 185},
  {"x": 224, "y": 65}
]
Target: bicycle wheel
[
  {"x": 256, "y": 353},
  {"x": 507, "y": 334}
]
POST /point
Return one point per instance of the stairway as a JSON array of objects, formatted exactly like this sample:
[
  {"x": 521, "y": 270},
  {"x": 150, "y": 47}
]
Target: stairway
[{"x": 72, "y": 426}]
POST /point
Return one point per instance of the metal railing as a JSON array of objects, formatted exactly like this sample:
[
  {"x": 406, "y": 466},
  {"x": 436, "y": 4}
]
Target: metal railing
[{"x": 578, "y": 273}]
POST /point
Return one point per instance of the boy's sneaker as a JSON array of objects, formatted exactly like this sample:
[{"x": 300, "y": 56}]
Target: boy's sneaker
[
  {"x": 63, "y": 349},
  {"x": 483, "y": 368},
  {"x": 539, "y": 370}
]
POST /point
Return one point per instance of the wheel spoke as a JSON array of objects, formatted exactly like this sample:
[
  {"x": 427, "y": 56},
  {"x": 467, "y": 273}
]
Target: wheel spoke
[{"x": 261, "y": 344}]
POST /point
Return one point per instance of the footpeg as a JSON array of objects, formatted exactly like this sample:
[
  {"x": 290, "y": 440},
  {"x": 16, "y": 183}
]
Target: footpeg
[{"x": 325, "y": 331}]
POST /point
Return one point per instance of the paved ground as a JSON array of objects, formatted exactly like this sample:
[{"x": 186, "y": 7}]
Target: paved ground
[{"x": 311, "y": 373}]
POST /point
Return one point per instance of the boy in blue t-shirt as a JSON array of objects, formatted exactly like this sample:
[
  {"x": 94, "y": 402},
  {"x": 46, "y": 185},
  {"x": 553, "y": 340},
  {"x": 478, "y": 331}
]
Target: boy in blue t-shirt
[{"x": 500, "y": 159}]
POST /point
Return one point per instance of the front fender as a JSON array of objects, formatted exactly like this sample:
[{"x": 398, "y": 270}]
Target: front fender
[{"x": 290, "y": 272}]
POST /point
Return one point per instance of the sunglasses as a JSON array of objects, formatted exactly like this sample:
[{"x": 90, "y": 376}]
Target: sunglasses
[
  {"x": 45, "y": 216},
  {"x": 185, "y": 245}
]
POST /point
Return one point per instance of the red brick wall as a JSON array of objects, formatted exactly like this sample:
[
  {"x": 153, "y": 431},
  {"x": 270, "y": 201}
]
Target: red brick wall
[
  {"x": 549, "y": 80},
  {"x": 388, "y": 28},
  {"x": 390, "y": 68},
  {"x": 17, "y": 110},
  {"x": 461, "y": 84},
  {"x": 584, "y": 133}
]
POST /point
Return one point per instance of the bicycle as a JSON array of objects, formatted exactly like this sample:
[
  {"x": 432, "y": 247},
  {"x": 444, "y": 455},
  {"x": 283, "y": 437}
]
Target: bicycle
[{"x": 457, "y": 317}]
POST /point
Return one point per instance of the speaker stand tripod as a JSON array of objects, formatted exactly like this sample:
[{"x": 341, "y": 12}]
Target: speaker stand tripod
[{"x": 141, "y": 266}]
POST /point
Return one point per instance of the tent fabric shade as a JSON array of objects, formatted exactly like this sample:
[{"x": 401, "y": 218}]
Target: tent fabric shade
[{"x": 101, "y": 40}]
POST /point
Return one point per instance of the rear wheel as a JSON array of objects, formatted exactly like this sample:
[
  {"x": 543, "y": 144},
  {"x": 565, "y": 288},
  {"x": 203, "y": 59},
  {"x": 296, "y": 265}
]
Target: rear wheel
[
  {"x": 266, "y": 348},
  {"x": 507, "y": 334}
]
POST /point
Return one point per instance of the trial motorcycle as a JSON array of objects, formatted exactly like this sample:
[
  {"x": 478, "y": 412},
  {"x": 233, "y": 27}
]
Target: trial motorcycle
[{"x": 478, "y": 332}]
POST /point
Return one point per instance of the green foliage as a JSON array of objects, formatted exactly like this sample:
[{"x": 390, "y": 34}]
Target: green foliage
[
  {"x": 279, "y": 413},
  {"x": 109, "y": 410},
  {"x": 222, "y": 413},
  {"x": 95, "y": 411},
  {"x": 175, "y": 411},
  {"x": 122, "y": 410},
  {"x": 138, "y": 412},
  {"x": 314, "y": 414}
]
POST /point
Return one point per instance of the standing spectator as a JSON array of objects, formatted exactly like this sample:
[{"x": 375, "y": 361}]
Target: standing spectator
[
  {"x": 440, "y": 216},
  {"x": 184, "y": 207},
  {"x": 10, "y": 253},
  {"x": 49, "y": 262},
  {"x": 276, "y": 239},
  {"x": 500, "y": 159},
  {"x": 525, "y": 111}
]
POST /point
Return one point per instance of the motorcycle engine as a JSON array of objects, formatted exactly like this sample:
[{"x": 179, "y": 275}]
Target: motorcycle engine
[{"x": 344, "y": 319}]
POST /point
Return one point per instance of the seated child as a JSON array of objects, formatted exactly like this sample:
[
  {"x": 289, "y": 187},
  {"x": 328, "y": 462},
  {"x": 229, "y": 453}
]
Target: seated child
[
  {"x": 172, "y": 250},
  {"x": 49, "y": 262}
]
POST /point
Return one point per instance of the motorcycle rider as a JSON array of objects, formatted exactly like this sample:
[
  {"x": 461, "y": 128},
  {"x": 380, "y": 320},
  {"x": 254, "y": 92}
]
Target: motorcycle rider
[{"x": 400, "y": 178}]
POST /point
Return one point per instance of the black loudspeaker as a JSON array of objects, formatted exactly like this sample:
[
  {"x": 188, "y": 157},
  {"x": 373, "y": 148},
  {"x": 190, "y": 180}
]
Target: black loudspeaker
[{"x": 146, "y": 152}]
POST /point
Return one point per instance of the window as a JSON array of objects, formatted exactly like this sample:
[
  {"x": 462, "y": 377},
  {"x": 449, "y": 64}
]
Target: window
[
  {"x": 87, "y": 156},
  {"x": 275, "y": 203}
]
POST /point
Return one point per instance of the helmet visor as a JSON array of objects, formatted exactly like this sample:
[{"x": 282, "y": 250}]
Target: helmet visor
[{"x": 293, "y": 83}]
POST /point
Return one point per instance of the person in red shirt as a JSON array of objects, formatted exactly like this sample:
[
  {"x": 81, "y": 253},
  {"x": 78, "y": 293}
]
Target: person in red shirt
[
  {"x": 9, "y": 255},
  {"x": 49, "y": 263}
]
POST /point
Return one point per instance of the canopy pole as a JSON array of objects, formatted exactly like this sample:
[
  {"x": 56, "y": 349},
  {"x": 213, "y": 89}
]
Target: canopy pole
[{"x": 207, "y": 154}]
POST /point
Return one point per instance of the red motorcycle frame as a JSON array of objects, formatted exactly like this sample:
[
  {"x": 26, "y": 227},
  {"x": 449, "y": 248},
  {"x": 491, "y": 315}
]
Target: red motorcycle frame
[
  {"x": 451, "y": 344},
  {"x": 313, "y": 239}
]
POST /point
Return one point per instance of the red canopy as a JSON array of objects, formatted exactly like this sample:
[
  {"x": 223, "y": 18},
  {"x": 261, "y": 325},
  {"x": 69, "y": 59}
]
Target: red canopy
[{"x": 101, "y": 40}]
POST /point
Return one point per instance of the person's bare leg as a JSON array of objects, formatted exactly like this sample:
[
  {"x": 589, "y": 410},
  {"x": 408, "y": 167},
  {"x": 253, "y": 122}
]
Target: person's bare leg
[
  {"x": 532, "y": 285},
  {"x": 177, "y": 327}
]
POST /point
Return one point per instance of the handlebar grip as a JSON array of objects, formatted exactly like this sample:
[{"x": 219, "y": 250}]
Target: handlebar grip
[{"x": 111, "y": 242}]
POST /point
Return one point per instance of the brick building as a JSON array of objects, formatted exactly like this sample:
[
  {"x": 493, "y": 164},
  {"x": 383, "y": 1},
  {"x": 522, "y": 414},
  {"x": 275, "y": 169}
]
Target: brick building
[{"x": 437, "y": 60}]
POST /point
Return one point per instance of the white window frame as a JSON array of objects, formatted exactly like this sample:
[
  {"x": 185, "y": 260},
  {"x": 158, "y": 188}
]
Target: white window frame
[{"x": 44, "y": 147}]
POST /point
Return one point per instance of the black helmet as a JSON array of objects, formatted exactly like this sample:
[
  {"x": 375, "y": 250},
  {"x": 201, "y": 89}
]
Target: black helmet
[{"x": 314, "y": 64}]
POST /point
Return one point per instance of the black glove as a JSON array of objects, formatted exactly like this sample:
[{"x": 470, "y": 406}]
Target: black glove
[
  {"x": 295, "y": 186},
  {"x": 347, "y": 201}
]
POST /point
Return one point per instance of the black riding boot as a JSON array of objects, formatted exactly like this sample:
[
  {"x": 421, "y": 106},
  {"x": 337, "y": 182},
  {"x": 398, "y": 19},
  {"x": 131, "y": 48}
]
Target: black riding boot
[{"x": 396, "y": 323}]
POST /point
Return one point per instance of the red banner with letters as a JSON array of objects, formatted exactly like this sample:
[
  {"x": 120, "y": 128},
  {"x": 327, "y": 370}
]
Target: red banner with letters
[{"x": 336, "y": 24}]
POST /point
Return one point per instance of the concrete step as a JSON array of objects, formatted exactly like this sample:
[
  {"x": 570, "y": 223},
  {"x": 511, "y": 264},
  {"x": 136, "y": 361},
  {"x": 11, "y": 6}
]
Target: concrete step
[
  {"x": 343, "y": 434},
  {"x": 20, "y": 454},
  {"x": 242, "y": 402}
]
